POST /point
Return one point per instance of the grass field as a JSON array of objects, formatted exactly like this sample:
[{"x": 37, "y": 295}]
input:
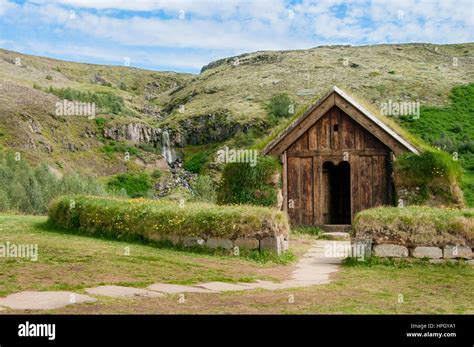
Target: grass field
[{"x": 72, "y": 262}]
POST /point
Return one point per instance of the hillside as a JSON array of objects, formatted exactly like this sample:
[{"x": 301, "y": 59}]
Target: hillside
[{"x": 227, "y": 98}]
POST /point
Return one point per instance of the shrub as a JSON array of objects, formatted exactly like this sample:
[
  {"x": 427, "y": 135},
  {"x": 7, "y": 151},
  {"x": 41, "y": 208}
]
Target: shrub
[
  {"x": 434, "y": 174},
  {"x": 4, "y": 201},
  {"x": 135, "y": 184},
  {"x": 196, "y": 163},
  {"x": 156, "y": 174},
  {"x": 281, "y": 105},
  {"x": 100, "y": 122},
  {"x": 204, "y": 189},
  {"x": 118, "y": 147},
  {"x": 423, "y": 226},
  {"x": 29, "y": 190},
  {"x": 108, "y": 102},
  {"x": 244, "y": 184},
  {"x": 451, "y": 128},
  {"x": 148, "y": 147},
  {"x": 151, "y": 219}
]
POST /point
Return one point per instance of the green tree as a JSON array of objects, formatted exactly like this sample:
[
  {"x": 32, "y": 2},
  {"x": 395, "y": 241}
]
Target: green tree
[{"x": 281, "y": 105}]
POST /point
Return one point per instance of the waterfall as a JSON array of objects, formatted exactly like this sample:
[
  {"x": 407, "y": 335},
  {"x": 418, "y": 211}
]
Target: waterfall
[{"x": 168, "y": 152}]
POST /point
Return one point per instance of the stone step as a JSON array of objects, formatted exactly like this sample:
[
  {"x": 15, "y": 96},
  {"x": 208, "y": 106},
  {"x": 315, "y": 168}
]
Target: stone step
[{"x": 336, "y": 236}]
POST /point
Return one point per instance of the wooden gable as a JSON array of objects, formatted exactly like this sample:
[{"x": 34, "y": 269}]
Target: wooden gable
[{"x": 336, "y": 97}]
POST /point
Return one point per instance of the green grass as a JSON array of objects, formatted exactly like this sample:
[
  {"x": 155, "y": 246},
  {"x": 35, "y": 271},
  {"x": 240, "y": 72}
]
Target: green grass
[
  {"x": 417, "y": 288},
  {"x": 451, "y": 128},
  {"x": 416, "y": 225},
  {"x": 153, "y": 219},
  {"x": 307, "y": 230},
  {"x": 74, "y": 262},
  {"x": 69, "y": 261}
]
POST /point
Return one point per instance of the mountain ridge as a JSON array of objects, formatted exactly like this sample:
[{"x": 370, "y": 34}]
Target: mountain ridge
[{"x": 226, "y": 99}]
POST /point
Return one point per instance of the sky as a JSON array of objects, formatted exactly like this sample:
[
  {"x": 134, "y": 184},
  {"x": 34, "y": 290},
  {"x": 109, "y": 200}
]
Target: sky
[{"x": 184, "y": 35}]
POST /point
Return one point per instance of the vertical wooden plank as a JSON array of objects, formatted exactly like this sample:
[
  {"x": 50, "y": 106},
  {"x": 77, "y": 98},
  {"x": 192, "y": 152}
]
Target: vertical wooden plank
[
  {"x": 348, "y": 134},
  {"x": 325, "y": 196},
  {"x": 335, "y": 135},
  {"x": 285, "y": 181},
  {"x": 388, "y": 180},
  {"x": 312, "y": 138},
  {"x": 369, "y": 140},
  {"x": 317, "y": 215},
  {"x": 324, "y": 134},
  {"x": 293, "y": 193},
  {"x": 307, "y": 190},
  {"x": 303, "y": 142},
  {"x": 355, "y": 203},
  {"x": 377, "y": 179},
  {"x": 365, "y": 179},
  {"x": 359, "y": 138},
  {"x": 300, "y": 144}
]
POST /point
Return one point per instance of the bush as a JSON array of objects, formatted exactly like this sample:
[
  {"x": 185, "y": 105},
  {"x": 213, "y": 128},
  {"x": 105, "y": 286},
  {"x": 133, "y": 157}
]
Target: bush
[
  {"x": 434, "y": 174},
  {"x": 29, "y": 190},
  {"x": 150, "y": 219},
  {"x": 148, "y": 147},
  {"x": 135, "y": 184},
  {"x": 244, "y": 184},
  {"x": 108, "y": 102},
  {"x": 281, "y": 105},
  {"x": 112, "y": 146},
  {"x": 421, "y": 226},
  {"x": 451, "y": 128},
  {"x": 204, "y": 189},
  {"x": 156, "y": 174},
  {"x": 196, "y": 163}
]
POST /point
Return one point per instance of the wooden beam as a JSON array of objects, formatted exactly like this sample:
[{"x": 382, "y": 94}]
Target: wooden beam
[
  {"x": 303, "y": 126},
  {"x": 368, "y": 124},
  {"x": 337, "y": 152}
]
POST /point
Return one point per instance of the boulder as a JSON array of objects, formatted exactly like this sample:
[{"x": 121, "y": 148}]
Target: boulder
[
  {"x": 452, "y": 252},
  {"x": 192, "y": 241},
  {"x": 426, "y": 252},
  {"x": 247, "y": 243},
  {"x": 389, "y": 250},
  {"x": 272, "y": 244},
  {"x": 214, "y": 242}
]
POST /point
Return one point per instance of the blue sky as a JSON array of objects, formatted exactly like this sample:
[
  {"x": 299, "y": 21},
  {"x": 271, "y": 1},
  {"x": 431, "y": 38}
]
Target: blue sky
[{"x": 184, "y": 35}]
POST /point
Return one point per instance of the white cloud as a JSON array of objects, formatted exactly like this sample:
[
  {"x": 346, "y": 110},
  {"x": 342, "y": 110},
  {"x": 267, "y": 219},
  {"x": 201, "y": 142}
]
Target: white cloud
[
  {"x": 114, "y": 56},
  {"x": 6, "y": 5},
  {"x": 235, "y": 26}
]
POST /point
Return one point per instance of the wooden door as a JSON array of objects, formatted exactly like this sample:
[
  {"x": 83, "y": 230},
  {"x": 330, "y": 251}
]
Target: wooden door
[{"x": 300, "y": 192}]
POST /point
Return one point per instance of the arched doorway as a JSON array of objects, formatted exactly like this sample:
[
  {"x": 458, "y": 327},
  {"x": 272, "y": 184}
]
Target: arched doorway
[{"x": 336, "y": 193}]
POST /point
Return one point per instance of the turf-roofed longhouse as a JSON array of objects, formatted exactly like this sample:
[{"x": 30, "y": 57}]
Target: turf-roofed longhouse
[{"x": 336, "y": 161}]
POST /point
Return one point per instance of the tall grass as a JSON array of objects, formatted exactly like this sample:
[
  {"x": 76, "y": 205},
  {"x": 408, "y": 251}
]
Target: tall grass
[
  {"x": 29, "y": 190},
  {"x": 151, "y": 219},
  {"x": 416, "y": 225}
]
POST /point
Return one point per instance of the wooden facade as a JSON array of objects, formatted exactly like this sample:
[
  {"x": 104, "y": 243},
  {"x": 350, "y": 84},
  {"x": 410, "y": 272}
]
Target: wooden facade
[{"x": 336, "y": 162}]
